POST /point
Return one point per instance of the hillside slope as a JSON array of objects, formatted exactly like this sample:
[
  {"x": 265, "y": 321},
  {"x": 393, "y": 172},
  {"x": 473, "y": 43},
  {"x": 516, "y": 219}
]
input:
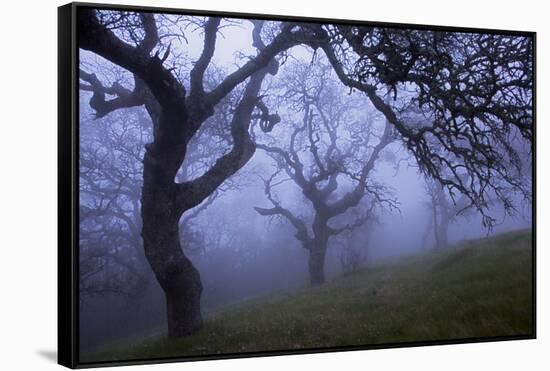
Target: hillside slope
[{"x": 481, "y": 288}]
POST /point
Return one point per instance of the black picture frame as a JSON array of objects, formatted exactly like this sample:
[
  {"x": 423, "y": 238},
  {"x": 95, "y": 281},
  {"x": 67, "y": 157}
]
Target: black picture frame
[{"x": 68, "y": 187}]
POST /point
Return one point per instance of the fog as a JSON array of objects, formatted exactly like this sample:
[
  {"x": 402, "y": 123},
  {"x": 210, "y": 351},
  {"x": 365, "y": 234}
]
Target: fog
[{"x": 238, "y": 238}]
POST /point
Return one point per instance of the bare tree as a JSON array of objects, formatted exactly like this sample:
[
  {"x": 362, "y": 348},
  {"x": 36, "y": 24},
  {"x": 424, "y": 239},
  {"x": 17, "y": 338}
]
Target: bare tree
[
  {"x": 128, "y": 40},
  {"x": 111, "y": 258},
  {"x": 111, "y": 152},
  {"x": 320, "y": 163}
]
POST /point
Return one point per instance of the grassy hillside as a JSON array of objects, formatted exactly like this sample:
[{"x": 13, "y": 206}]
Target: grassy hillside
[{"x": 477, "y": 289}]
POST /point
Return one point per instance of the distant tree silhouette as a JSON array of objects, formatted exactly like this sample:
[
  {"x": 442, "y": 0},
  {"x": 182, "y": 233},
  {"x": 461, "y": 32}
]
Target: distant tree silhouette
[{"x": 322, "y": 164}]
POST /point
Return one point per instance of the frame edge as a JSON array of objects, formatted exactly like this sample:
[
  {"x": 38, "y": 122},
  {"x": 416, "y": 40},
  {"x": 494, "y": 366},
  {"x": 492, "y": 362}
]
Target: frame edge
[
  {"x": 67, "y": 351},
  {"x": 68, "y": 191}
]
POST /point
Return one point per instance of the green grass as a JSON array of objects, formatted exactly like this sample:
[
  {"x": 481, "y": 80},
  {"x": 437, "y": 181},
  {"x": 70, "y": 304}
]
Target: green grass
[{"x": 481, "y": 288}]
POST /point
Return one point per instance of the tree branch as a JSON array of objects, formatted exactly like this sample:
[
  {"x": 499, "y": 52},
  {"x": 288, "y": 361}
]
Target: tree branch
[
  {"x": 197, "y": 73},
  {"x": 125, "y": 98},
  {"x": 283, "y": 41},
  {"x": 353, "y": 197},
  {"x": 299, "y": 225},
  {"x": 367, "y": 216},
  {"x": 97, "y": 38}
]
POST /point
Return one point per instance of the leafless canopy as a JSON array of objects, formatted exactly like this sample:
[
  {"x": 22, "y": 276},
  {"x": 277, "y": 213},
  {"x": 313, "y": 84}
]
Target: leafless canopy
[{"x": 460, "y": 100}]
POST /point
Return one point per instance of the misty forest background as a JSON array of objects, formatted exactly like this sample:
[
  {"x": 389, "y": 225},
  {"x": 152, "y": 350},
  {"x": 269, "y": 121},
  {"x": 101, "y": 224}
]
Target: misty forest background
[{"x": 256, "y": 185}]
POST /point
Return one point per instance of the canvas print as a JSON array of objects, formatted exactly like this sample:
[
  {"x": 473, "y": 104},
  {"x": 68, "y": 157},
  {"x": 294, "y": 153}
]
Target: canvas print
[{"x": 263, "y": 184}]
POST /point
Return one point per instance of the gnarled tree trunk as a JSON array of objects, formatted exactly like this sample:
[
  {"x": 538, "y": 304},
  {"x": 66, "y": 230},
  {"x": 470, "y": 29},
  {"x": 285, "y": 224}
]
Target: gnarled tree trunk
[
  {"x": 175, "y": 273},
  {"x": 177, "y": 276}
]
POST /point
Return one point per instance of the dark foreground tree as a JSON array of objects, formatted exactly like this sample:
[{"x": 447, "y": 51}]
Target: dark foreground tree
[
  {"x": 111, "y": 152},
  {"x": 327, "y": 154},
  {"x": 128, "y": 40}
]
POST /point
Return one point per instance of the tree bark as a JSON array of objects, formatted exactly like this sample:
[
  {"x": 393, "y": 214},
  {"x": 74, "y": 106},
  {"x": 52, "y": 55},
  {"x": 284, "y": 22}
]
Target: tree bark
[
  {"x": 317, "y": 266},
  {"x": 161, "y": 212},
  {"x": 317, "y": 250},
  {"x": 175, "y": 273}
]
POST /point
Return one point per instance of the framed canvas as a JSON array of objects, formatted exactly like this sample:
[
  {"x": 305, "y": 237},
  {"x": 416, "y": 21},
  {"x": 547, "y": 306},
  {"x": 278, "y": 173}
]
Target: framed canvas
[{"x": 236, "y": 185}]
